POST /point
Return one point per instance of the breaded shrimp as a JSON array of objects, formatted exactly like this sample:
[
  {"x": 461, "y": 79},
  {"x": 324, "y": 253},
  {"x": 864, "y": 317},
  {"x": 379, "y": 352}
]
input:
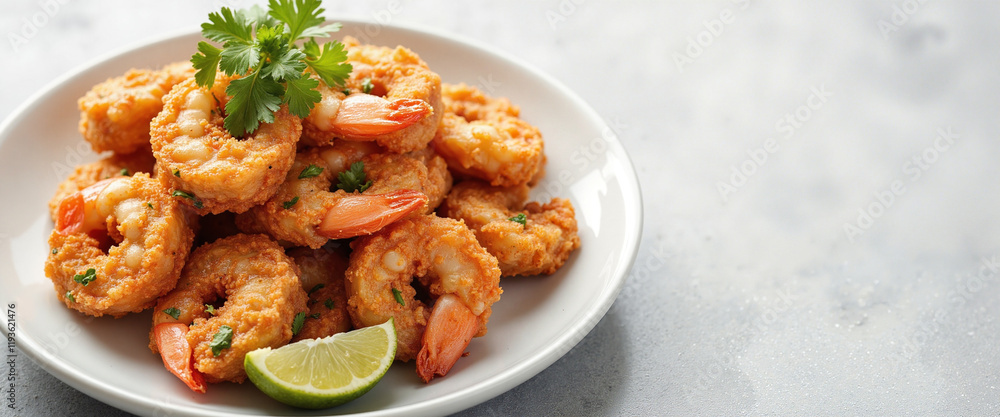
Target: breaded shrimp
[
  {"x": 322, "y": 276},
  {"x": 484, "y": 137},
  {"x": 201, "y": 163},
  {"x": 117, "y": 246},
  {"x": 394, "y": 100},
  {"x": 453, "y": 273},
  {"x": 112, "y": 166},
  {"x": 307, "y": 211},
  {"x": 539, "y": 246},
  {"x": 115, "y": 114},
  {"x": 243, "y": 285}
]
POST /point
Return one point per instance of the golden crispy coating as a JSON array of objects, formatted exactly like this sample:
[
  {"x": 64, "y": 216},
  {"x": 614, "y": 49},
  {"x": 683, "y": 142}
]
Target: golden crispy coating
[
  {"x": 394, "y": 74},
  {"x": 540, "y": 246},
  {"x": 484, "y": 137},
  {"x": 197, "y": 155},
  {"x": 149, "y": 239},
  {"x": 322, "y": 276},
  {"x": 299, "y": 223},
  {"x": 112, "y": 166},
  {"x": 444, "y": 257},
  {"x": 115, "y": 114},
  {"x": 255, "y": 290}
]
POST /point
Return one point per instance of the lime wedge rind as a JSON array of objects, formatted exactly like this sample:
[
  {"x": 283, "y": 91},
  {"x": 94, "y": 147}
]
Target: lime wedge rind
[{"x": 307, "y": 395}]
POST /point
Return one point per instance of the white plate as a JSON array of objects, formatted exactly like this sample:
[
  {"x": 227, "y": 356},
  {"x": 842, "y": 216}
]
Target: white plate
[{"x": 537, "y": 320}]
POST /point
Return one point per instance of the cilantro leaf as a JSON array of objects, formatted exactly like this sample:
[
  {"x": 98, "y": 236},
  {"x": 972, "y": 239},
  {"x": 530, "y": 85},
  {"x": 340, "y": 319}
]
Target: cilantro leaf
[
  {"x": 69, "y": 296},
  {"x": 353, "y": 179},
  {"x": 366, "y": 85},
  {"x": 327, "y": 62},
  {"x": 329, "y": 303},
  {"x": 223, "y": 339},
  {"x": 297, "y": 322},
  {"x": 257, "y": 16},
  {"x": 173, "y": 312},
  {"x": 210, "y": 309},
  {"x": 302, "y": 95},
  {"x": 196, "y": 202},
  {"x": 288, "y": 66},
  {"x": 300, "y": 16},
  {"x": 398, "y": 295},
  {"x": 520, "y": 218},
  {"x": 254, "y": 100},
  {"x": 290, "y": 203},
  {"x": 310, "y": 171},
  {"x": 227, "y": 27},
  {"x": 86, "y": 278},
  {"x": 315, "y": 288},
  {"x": 238, "y": 58},
  {"x": 206, "y": 62}
]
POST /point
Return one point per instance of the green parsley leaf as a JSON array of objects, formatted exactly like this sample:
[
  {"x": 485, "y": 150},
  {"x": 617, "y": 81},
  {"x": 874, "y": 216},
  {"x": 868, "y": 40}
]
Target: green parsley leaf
[
  {"x": 297, "y": 323},
  {"x": 329, "y": 303},
  {"x": 310, "y": 171},
  {"x": 302, "y": 95},
  {"x": 228, "y": 27},
  {"x": 173, "y": 312},
  {"x": 124, "y": 172},
  {"x": 55, "y": 251},
  {"x": 210, "y": 309},
  {"x": 288, "y": 204},
  {"x": 327, "y": 62},
  {"x": 197, "y": 203},
  {"x": 177, "y": 173},
  {"x": 520, "y": 218},
  {"x": 317, "y": 287},
  {"x": 149, "y": 205},
  {"x": 223, "y": 339},
  {"x": 353, "y": 179},
  {"x": 303, "y": 17},
  {"x": 366, "y": 86},
  {"x": 69, "y": 296},
  {"x": 206, "y": 62},
  {"x": 254, "y": 100},
  {"x": 86, "y": 277},
  {"x": 398, "y": 295},
  {"x": 257, "y": 16}
]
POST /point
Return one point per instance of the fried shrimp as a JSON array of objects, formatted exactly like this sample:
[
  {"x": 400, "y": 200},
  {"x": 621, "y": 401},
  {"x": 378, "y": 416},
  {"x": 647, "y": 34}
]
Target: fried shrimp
[
  {"x": 235, "y": 295},
  {"x": 115, "y": 114},
  {"x": 112, "y": 166},
  {"x": 394, "y": 100},
  {"x": 453, "y": 273},
  {"x": 198, "y": 160},
  {"x": 484, "y": 137},
  {"x": 117, "y": 246},
  {"x": 540, "y": 245},
  {"x": 307, "y": 211},
  {"x": 322, "y": 276}
]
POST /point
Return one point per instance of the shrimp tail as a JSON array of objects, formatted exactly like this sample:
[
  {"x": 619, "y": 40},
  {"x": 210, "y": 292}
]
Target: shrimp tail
[
  {"x": 449, "y": 331},
  {"x": 177, "y": 354},
  {"x": 369, "y": 115},
  {"x": 361, "y": 214}
]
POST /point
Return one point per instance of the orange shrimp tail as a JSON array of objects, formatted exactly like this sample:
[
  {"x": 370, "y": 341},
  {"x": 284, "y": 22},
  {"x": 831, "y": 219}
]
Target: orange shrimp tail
[
  {"x": 177, "y": 354},
  {"x": 368, "y": 115},
  {"x": 449, "y": 331},
  {"x": 361, "y": 214},
  {"x": 69, "y": 215}
]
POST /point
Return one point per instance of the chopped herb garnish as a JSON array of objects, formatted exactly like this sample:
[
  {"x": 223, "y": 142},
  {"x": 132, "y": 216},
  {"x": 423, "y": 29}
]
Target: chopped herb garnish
[
  {"x": 314, "y": 316},
  {"x": 398, "y": 295},
  {"x": 315, "y": 288},
  {"x": 210, "y": 309},
  {"x": 55, "y": 251},
  {"x": 353, "y": 179},
  {"x": 366, "y": 86},
  {"x": 297, "y": 323},
  {"x": 520, "y": 218},
  {"x": 288, "y": 204},
  {"x": 86, "y": 277},
  {"x": 177, "y": 173},
  {"x": 310, "y": 171},
  {"x": 125, "y": 172},
  {"x": 223, "y": 339},
  {"x": 197, "y": 203},
  {"x": 328, "y": 303},
  {"x": 262, "y": 45},
  {"x": 346, "y": 92},
  {"x": 150, "y": 205},
  {"x": 70, "y": 297},
  {"x": 173, "y": 312}
]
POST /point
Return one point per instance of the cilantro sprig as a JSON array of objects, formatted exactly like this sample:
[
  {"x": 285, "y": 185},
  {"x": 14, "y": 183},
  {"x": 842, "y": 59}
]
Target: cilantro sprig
[
  {"x": 261, "y": 46},
  {"x": 353, "y": 179}
]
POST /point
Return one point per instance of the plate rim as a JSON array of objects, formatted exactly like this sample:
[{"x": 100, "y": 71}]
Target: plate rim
[{"x": 456, "y": 401}]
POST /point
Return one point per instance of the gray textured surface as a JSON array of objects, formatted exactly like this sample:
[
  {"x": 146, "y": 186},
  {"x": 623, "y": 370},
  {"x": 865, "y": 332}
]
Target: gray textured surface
[{"x": 804, "y": 289}]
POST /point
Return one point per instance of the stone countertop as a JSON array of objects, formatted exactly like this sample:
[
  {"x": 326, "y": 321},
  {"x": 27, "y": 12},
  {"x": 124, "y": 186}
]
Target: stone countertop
[{"x": 821, "y": 235}]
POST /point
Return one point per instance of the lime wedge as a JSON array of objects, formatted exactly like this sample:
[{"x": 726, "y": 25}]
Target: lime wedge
[{"x": 321, "y": 373}]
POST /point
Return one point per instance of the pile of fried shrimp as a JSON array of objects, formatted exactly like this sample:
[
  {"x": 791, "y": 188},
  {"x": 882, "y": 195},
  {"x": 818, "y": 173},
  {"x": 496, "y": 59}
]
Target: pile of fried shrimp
[{"x": 399, "y": 196}]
